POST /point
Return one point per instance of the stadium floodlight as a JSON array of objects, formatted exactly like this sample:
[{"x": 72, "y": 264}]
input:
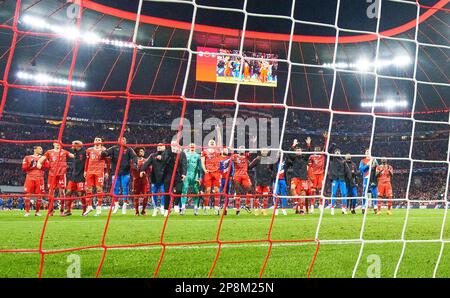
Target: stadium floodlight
[
  {"x": 35, "y": 22},
  {"x": 91, "y": 38},
  {"x": 73, "y": 33},
  {"x": 363, "y": 64},
  {"x": 401, "y": 61},
  {"x": 388, "y": 104},
  {"x": 44, "y": 79}
]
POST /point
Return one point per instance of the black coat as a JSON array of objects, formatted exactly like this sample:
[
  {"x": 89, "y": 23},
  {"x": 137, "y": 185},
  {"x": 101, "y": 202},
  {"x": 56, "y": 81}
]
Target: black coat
[
  {"x": 354, "y": 179},
  {"x": 265, "y": 172},
  {"x": 170, "y": 159},
  {"x": 158, "y": 167},
  {"x": 78, "y": 164},
  {"x": 299, "y": 165},
  {"x": 128, "y": 159},
  {"x": 339, "y": 169}
]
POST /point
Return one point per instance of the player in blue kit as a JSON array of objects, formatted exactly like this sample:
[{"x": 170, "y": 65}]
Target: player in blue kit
[
  {"x": 339, "y": 172},
  {"x": 226, "y": 168},
  {"x": 281, "y": 188},
  {"x": 364, "y": 167}
]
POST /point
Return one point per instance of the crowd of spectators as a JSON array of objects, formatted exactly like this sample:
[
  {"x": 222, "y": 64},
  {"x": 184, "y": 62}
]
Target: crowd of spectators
[{"x": 150, "y": 123}]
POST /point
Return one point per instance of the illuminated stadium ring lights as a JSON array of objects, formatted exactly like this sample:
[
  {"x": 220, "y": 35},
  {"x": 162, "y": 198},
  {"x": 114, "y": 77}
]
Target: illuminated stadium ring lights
[
  {"x": 72, "y": 33},
  {"x": 364, "y": 64},
  {"x": 44, "y": 79},
  {"x": 388, "y": 104}
]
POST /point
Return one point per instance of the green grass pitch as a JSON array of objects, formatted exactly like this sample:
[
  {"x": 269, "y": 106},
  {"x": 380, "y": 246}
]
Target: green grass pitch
[{"x": 236, "y": 260}]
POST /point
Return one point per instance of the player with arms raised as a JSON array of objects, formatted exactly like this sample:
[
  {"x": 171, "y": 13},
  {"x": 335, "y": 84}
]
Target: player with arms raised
[
  {"x": 316, "y": 171},
  {"x": 299, "y": 181},
  {"x": 95, "y": 175},
  {"x": 57, "y": 159},
  {"x": 211, "y": 168},
  {"x": 241, "y": 180},
  {"x": 384, "y": 174},
  {"x": 34, "y": 182}
]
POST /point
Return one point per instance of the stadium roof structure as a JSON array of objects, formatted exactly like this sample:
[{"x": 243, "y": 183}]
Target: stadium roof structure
[{"x": 159, "y": 73}]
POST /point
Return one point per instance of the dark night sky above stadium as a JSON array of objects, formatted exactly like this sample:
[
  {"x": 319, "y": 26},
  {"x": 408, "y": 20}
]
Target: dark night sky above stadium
[{"x": 352, "y": 13}]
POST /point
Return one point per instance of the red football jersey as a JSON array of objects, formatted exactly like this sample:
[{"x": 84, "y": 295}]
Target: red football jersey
[
  {"x": 136, "y": 173},
  {"x": 95, "y": 164},
  {"x": 240, "y": 164},
  {"x": 317, "y": 164},
  {"x": 384, "y": 174},
  {"x": 212, "y": 160},
  {"x": 29, "y": 165},
  {"x": 57, "y": 161}
]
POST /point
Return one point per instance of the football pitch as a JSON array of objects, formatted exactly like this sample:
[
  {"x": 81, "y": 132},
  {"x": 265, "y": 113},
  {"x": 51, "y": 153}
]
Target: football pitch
[{"x": 337, "y": 254}]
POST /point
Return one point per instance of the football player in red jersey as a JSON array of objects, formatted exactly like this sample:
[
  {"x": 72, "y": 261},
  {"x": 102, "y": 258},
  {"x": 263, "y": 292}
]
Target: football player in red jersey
[
  {"x": 95, "y": 174},
  {"x": 384, "y": 173},
  {"x": 34, "y": 182},
  {"x": 316, "y": 170},
  {"x": 57, "y": 159},
  {"x": 241, "y": 180},
  {"x": 211, "y": 158},
  {"x": 141, "y": 185}
]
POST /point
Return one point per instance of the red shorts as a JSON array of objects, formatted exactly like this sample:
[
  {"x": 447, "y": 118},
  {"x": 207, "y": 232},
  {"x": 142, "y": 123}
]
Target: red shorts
[
  {"x": 385, "y": 189},
  {"x": 76, "y": 186},
  {"x": 58, "y": 181},
  {"x": 212, "y": 179},
  {"x": 141, "y": 186},
  {"x": 34, "y": 186},
  {"x": 300, "y": 185},
  {"x": 262, "y": 189},
  {"x": 94, "y": 180},
  {"x": 317, "y": 181},
  {"x": 243, "y": 180}
]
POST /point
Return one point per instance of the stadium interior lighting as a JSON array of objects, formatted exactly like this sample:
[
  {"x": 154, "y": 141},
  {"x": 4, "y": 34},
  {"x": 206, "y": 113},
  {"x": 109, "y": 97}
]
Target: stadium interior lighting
[
  {"x": 44, "y": 79},
  {"x": 402, "y": 60},
  {"x": 364, "y": 64},
  {"x": 72, "y": 33},
  {"x": 390, "y": 103}
]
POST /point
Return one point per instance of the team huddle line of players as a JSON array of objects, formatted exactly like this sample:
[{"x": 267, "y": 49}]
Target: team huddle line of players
[{"x": 204, "y": 178}]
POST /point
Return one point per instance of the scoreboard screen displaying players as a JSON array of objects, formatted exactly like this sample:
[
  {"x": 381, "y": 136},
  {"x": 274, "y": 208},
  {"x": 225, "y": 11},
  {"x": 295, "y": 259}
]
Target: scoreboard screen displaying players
[{"x": 215, "y": 65}]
